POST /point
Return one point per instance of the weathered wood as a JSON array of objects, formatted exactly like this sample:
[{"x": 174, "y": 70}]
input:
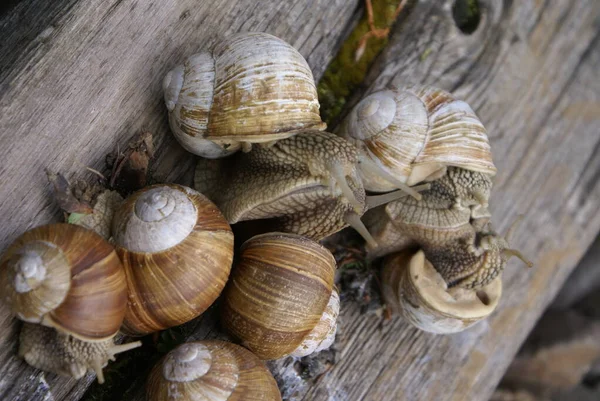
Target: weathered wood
[
  {"x": 530, "y": 72},
  {"x": 79, "y": 77}
]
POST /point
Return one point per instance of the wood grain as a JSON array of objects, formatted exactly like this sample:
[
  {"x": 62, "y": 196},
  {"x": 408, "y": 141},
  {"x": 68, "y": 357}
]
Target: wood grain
[
  {"x": 530, "y": 72},
  {"x": 78, "y": 78}
]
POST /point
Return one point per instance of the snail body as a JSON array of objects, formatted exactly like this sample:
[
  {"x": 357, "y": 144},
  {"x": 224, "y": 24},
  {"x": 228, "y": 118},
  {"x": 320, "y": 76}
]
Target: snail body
[
  {"x": 280, "y": 299},
  {"x": 414, "y": 288},
  {"x": 409, "y": 135},
  {"x": 177, "y": 251},
  {"x": 252, "y": 88},
  {"x": 307, "y": 184},
  {"x": 69, "y": 279},
  {"x": 211, "y": 371}
]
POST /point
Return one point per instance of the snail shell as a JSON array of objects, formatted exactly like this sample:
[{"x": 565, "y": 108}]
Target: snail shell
[
  {"x": 253, "y": 88},
  {"x": 211, "y": 371},
  {"x": 413, "y": 287},
  {"x": 278, "y": 294},
  {"x": 70, "y": 279},
  {"x": 409, "y": 135},
  {"x": 177, "y": 250}
]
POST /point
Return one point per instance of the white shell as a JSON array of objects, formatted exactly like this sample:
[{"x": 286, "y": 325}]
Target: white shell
[
  {"x": 323, "y": 335},
  {"x": 412, "y": 286},
  {"x": 408, "y": 134},
  {"x": 252, "y": 88},
  {"x": 163, "y": 217}
]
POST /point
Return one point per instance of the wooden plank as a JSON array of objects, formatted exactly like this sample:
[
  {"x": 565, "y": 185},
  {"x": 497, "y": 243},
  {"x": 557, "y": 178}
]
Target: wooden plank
[
  {"x": 530, "y": 72},
  {"x": 79, "y": 77}
]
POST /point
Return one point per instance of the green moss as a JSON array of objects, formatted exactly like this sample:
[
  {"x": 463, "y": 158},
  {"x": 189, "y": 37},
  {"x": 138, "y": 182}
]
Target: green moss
[{"x": 346, "y": 72}]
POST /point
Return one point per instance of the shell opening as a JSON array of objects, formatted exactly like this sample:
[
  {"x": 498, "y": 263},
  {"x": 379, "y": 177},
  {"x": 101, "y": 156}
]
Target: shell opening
[
  {"x": 187, "y": 362},
  {"x": 323, "y": 335},
  {"x": 30, "y": 271},
  {"x": 172, "y": 84}
]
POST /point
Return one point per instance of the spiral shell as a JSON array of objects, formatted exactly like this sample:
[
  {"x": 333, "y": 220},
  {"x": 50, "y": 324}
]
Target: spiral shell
[
  {"x": 412, "y": 134},
  {"x": 278, "y": 293},
  {"x": 177, "y": 250},
  {"x": 253, "y": 88},
  {"x": 70, "y": 280},
  {"x": 67, "y": 277},
  {"x": 413, "y": 287},
  {"x": 211, "y": 371}
]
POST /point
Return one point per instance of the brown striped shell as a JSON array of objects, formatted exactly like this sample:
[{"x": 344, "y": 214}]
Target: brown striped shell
[
  {"x": 409, "y": 135},
  {"x": 278, "y": 293},
  {"x": 413, "y": 287},
  {"x": 211, "y": 371},
  {"x": 177, "y": 250},
  {"x": 252, "y": 88},
  {"x": 69, "y": 279}
]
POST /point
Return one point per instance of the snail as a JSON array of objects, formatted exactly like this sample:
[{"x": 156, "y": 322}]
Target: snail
[
  {"x": 69, "y": 282},
  {"x": 252, "y": 88},
  {"x": 412, "y": 286},
  {"x": 474, "y": 261},
  {"x": 450, "y": 287},
  {"x": 280, "y": 299},
  {"x": 177, "y": 249},
  {"x": 307, "y": 184},
  {"x": 211, "y": 371},
  {"x": 454, "y": 206},
  {"x": 406, "y": 136}
]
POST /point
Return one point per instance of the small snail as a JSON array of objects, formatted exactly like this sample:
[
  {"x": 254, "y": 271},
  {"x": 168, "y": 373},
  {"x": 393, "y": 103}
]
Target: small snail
[
  {"x": 177, "y": 250},
  {"x": 413, "y": 287},
  {"x": 455, "y": 205},
  {"x": 211, "y": 371},
  {"x": 306, "y": 184},
  {"x": 280, "y": 299},
  {"x": 406, "y": 136},
  {"x": 252, "y": 88},
  {"x": 69, "y": 279}
]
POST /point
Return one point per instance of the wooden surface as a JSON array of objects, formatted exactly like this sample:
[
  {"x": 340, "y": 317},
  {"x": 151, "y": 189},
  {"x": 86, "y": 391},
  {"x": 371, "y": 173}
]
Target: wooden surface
[
  {"x": 529, "y": 71},
  {"x": 79, "y": 77}
]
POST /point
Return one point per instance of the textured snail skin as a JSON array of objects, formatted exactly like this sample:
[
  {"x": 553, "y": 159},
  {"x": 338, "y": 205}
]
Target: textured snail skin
[
  {"x": 252, "y": 88},
  {"x": 307, "y": 184},
  {"x": 172, "y": 283},
  {"x": 211, "y": 371},
  {"x": 455, "y": 206},
  {"x": 277, "y": 293},
  {"x": 412, "y": 134},
  {"x": 411, "y": 286}
]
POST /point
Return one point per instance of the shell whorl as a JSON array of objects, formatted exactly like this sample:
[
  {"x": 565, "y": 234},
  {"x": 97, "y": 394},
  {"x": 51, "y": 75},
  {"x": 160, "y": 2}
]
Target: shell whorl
[
  {"x": 389, "y": 128},
  {"x": 37, "y": 280},
  {"x": 162, "y": 217},
  {"x": 186, "y": 363},
  {"x": 408, "y": 135}
]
